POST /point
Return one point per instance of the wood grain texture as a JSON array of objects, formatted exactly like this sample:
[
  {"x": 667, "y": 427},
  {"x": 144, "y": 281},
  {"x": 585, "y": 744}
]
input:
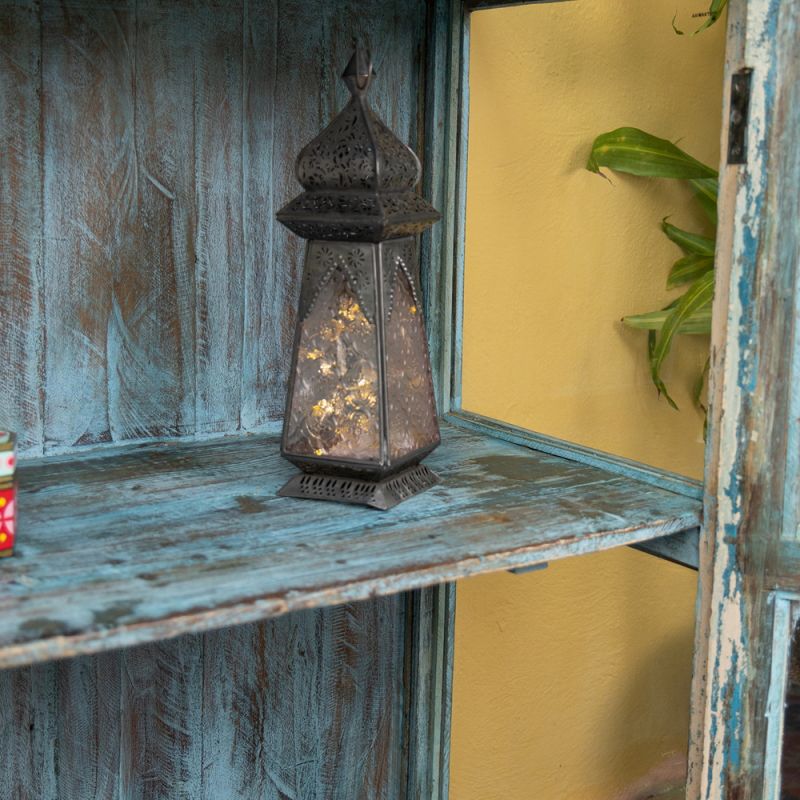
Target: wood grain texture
[
  {"x": 88, "y": 727},
  {"x": 429, "y": 703},
  {"x": 28, "y": 727},
  {"x": 443, "y": 72},
  {"x": 151, "y": 329},
  {"x": 151, "y": 292},
  {"x": 161, "y": 720},
  {"x": 219, "y": 279},
  {"x": 188, "y": 537},
  {"x": 87, "y": 207},
  {"x": 751, "y": 475},
  {"x": 307, "y": 706},
  {"x": 575, "y": 452},
  {"x": 21, "y": 278}
]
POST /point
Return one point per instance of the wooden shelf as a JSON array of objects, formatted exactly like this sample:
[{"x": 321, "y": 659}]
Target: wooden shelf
[{"x": 119, "y": 547}]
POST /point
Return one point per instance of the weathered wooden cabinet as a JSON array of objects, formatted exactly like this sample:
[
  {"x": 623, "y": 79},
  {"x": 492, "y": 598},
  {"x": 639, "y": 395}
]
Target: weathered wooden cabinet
[{"x": 169, "y": 628}]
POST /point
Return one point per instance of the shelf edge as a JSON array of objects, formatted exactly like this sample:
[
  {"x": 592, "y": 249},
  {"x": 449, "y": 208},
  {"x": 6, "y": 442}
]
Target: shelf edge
[{"x": 253, "y": 610}]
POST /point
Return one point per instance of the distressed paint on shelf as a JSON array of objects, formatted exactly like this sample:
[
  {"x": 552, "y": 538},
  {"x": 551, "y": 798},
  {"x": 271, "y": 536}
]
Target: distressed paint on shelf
[
  {"x": 177, "y": 538},
  {"x": 575, "y": 452}
]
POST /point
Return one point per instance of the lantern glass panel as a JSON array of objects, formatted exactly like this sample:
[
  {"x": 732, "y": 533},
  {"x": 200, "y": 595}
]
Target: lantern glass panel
[
  {"x": 334, "y": 409},
  {"x": 412, "y": 408}
]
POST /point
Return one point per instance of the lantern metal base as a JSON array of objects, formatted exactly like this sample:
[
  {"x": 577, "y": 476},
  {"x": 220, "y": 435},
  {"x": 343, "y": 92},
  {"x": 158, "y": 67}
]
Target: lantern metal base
[{"x": 383, "y": 494}]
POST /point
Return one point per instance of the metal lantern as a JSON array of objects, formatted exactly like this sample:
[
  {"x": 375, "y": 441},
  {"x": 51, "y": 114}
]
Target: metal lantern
[{"x": 360, "y": 411}]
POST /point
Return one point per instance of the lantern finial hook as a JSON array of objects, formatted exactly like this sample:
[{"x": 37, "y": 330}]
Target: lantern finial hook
[{"x": 358, "y": 72}]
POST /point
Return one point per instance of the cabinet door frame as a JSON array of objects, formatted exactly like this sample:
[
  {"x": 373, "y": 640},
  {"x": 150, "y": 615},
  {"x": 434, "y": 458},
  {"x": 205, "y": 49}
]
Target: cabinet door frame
[{"x": 750, "y": 546}]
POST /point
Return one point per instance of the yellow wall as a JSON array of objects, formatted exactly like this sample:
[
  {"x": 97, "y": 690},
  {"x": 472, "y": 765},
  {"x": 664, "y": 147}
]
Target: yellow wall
[{"x": 572, "y": 683}]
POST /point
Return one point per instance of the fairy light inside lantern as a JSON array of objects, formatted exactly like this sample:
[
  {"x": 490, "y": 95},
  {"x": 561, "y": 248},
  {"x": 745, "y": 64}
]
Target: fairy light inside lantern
[{"x": 360, "y": 411}]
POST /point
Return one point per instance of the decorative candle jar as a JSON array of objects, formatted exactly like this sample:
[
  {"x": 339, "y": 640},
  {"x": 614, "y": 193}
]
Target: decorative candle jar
[
  {"x": 8, "y": 493},
  {"x": 360, "y": 410}
]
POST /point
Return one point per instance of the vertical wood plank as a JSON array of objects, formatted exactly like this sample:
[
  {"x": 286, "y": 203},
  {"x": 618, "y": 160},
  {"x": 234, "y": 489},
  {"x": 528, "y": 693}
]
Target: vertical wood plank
[
  {"x": 28, "y": 727},
  {"x": 429, "y": 679},
  {"x": 162, "y": 721},
  {"x": 751, "y": 484},
  {"x": 87, "y": 738},
  {"x": 219, "y": 277},
  {"x": 21, "y": 279},
  {"x": 307, "y": 706},
  {"x": 236, "y": 684},
  {"x": 89, "y": 193},
  {"x": 284, "y": 72},
  {"x": 267, "y": 328},
  {"x": 151, "y": 327},
  {"x": 446, "y": 26},
  {"x": 332, "y": 726}
]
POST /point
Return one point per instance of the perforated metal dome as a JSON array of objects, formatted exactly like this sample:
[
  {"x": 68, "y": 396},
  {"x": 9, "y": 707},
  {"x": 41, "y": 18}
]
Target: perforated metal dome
[{"x": 358, "y": 176}]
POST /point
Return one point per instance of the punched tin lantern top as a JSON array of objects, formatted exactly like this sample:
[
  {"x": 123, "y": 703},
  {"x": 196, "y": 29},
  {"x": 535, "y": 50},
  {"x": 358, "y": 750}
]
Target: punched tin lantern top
[{"x": 358, "y": 177}]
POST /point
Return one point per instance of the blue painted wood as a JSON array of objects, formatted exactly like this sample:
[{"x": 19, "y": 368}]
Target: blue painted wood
[
  {"x": 28, "y": 727},
  {"x": 440, "y": 184},
  {"x": 185, "y": 537},
  {"x": 84, "y": 142},
  {"x": 150, "y": 293},
  {"x": 161, "y": 720},
  {"x": 574, "y": 452},
  {"x": 88, "y": 728},
  {"x": 22, "y": 304},
  {"x": 751, "y": 479},
  {"x": 151, "y": 328},
  {"x": 785, "y": 618},
  {"x": 429, "y": 692},
  {"x": 143, "y": 149},
  {"x": 310, "y": 705},
  {"x": 460, "y": 213}
]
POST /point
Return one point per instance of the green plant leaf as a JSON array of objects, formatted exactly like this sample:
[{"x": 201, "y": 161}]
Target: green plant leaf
[
  {"x": 688, "y": 269},
  {"x": 695, "y": 324},
  {"x": 698, "y": 296},
  {"x": 639, "y": 153},
  {"x": 714, "y": 13},
  {"x": 661, "y": 387},
  {"x": 697, "y": 390},
  {"x": 705, "y": 192},
  {"x": 690, "y": 243}
]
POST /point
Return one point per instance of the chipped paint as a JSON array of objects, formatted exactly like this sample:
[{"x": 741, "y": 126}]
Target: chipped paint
[{"x": 743, "y": 454}]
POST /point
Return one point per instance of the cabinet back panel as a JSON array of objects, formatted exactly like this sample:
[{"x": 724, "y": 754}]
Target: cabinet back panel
[
  {"x": 145, "y": 146},
  {"x": 309, "y": 706}
]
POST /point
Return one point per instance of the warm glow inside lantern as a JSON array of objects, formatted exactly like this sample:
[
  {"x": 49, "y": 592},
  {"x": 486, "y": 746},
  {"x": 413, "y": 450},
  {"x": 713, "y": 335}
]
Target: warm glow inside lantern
[{"x": 360, "y": 412}]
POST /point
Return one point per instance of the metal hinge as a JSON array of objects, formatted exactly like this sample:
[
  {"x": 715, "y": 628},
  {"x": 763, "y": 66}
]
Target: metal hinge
[{"x": 737, "y": 121}]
